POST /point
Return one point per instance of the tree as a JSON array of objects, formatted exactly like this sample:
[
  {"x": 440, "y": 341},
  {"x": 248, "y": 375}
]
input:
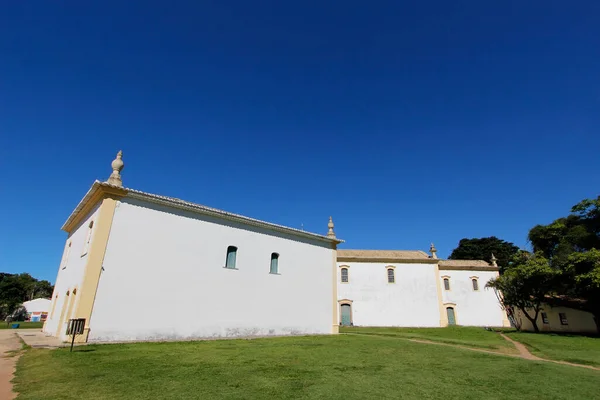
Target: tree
[
  {"x": 482, "y": 249},
  {"x": 572, "y": 244},
  {"x": 582, "y": 273},
  {"x": 18, "y": 288},
  {"x": 525, "y": 284}
]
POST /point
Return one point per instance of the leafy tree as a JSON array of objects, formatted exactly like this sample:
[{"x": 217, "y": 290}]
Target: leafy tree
[
  {"x": 18, "y": 288},
  {"x": 525, "y": 284},
  {"x": 482, "y": 249},
  {"x": 572, "y": 244}
]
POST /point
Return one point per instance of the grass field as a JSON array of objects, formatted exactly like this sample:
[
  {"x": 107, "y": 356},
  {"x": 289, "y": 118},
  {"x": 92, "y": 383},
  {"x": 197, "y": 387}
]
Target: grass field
[
  {"x": 22, "y": 325},
  {"x": 575, "y": 349},
  {"x": 463, "y": 336},
  {"x": 319, "y": 367}
]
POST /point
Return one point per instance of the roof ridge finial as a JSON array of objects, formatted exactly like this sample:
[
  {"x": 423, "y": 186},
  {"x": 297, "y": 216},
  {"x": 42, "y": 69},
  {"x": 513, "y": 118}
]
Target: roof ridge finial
[
  {"x": 117, "y": 166},
  {"x": 330, "y": 232},
  {"x": 433, "y": 251},
  {"x": 494, "y": 260}
]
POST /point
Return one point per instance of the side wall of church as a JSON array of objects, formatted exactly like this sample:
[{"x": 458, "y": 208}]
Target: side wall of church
[
  {"x": 164, "y": 278},
  {"x": 70, "y": 276},
  {"x": 472, "y": 307},
  {"x": 411, "y": 301}
]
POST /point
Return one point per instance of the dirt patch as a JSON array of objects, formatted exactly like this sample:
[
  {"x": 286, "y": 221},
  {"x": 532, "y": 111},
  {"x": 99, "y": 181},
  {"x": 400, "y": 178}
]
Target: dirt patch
[{"x": 9, "y": 354}]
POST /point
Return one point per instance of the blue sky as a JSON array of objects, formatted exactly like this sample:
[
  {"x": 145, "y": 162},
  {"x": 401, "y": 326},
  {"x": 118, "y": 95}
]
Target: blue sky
[{"x": 409, "y": 123}]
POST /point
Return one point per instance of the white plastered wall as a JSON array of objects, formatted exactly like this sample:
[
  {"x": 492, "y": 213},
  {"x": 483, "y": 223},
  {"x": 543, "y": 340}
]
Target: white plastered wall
[
  {"x": 163, "y": 278},
  {"x": 70, "y": 276},
  {"x": 411, "y": 301},
  {"x": 473, "y": 308}
]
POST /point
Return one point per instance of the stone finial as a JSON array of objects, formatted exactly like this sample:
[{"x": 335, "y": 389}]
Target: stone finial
[
  {"x": 330, "y": 232},
  {"x": 117, "y": 166},
  {"x": 494, "y": 260},
  {"x": 433, "y": 251}
]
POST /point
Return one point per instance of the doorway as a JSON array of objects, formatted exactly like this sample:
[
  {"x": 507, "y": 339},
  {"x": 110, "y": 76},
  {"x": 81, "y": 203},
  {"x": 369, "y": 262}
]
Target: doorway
[
  {"x": 346, "y": 315},
  {"x": 451, "y": 316}
]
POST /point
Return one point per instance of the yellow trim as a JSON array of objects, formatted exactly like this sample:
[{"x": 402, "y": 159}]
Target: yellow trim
[
  {"x": 65, "y": 306},
  {"x": 389, "y": 260},
  {"x": 53, "y": 306},
  {"x": 477, "y": 279},
  {"x": 335, "y": 327},
  {"x": 88, "y": 205},
  {"x": 95, "y": 258},
  {"x": 456, "y": 268},
  {"x": 348, "y": 274},
  {"x": 444, "y": 280},
  {"x": 505, "y": 320},
  {"x": 438, "y": 284},
  {"x": 72, "y": 300}
]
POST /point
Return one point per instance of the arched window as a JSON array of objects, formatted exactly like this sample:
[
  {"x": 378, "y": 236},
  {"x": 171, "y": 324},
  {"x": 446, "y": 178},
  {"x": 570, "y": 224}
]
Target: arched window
[
  {"x": 447, "y": 283},
  {"x": 344, "y": 275},
  {"x": 231, "y": 255},
  {"x": 475, "y": 284},
  {"x": 274, "y": 263},
  {"x": 390, "y": 275},
  {"x": 65, "y": 259},
  {"x": 88, "y": 238}
]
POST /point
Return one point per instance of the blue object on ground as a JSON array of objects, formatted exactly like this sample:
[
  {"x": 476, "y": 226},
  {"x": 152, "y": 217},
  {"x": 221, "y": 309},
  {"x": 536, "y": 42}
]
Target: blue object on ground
[{"x": 15, "y": 326}]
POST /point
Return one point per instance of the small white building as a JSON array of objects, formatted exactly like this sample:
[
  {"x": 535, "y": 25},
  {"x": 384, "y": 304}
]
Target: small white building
[
  {"x": 140, "y": 266},
  {"x": 37, "y": 309},
  {"x": 407, "y": 288}
]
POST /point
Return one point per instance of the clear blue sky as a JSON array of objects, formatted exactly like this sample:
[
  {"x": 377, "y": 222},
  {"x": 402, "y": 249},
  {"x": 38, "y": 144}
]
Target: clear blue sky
[{"x": 409, "y": 122}]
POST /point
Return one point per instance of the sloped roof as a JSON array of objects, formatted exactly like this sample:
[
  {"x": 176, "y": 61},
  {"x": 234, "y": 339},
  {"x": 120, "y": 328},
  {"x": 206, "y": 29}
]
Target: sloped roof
[
  {"x": 194, "y": 207},
  {"x": 463, "y": 263},
  {"x": 384, "y": 256},
  {"x": 478, "y": 265}
]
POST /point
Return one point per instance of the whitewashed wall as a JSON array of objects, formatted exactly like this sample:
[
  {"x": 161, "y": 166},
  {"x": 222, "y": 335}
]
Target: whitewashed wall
[
  {"x": 475, "y": 308},
  {"x": 412, "y": 301},
  {"x": 70, "y": 276},
  {"x": 164, "y": 278}
]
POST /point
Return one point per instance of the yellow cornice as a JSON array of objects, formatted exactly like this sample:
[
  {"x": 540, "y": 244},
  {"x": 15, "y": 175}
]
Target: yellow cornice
[
  {"x": 454, "y": 268},
  {"x": 389, "y": 260},
  {"x": 96, "y": 194}
]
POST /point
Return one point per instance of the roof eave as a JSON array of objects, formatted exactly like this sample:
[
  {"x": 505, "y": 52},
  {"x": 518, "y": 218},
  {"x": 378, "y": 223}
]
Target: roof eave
[
  {"x": 198, "y": 209},
  {"x": 388, "y": 260}
]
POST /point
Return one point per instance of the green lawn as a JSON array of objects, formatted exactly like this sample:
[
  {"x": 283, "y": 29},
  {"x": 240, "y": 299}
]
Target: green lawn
[
  {"x": 22, "y": 325},
  {"x": 319, "y": 367},
  {"x": 464, "y": 336},
  {"x": 576, "y": 349}
]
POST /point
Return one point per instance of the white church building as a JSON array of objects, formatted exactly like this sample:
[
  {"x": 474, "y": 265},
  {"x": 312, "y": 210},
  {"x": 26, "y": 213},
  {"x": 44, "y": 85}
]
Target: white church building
[{"x": 140, "y": 266}]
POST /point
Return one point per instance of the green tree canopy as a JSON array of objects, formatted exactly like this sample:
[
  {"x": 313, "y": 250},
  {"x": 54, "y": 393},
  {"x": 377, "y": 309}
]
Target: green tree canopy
[
  {"x": 572, "y": 246},
  {"x": 18, "y": 288},
  {"x": 482, "y": 249},
  {"x": 525, "y": 284}
]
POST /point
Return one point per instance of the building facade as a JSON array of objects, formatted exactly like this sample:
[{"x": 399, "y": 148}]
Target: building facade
[
  {"x": 138, "y": 266},
  {"x": 414, "y": 289},
  {"x": 37, "y": 309},
  {"x": 558, "y": 319}
]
